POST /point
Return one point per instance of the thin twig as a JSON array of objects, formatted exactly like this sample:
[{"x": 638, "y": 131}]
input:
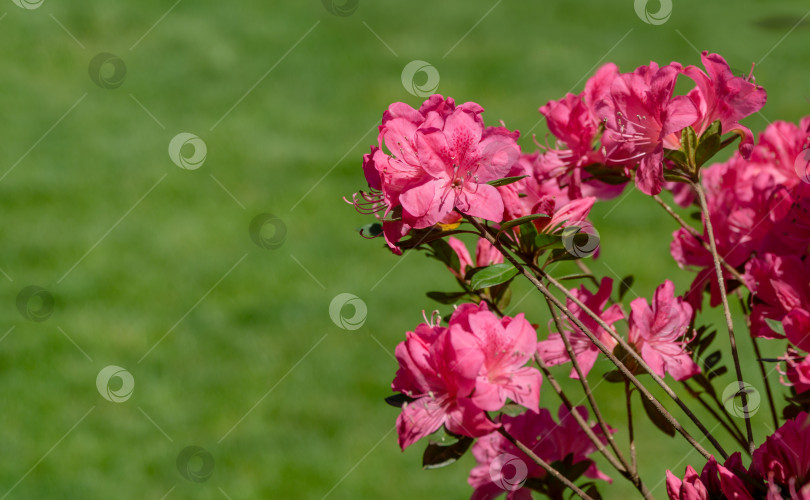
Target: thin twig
[
  {"x": 735, "y": 432},
  {"x": 607, "y": 352},
  {"x": 704, "y": 206},
  {"x": 600, "y": 445},
  {"x": 629, "y": 404},
  {"x": 586, "y": 388},
  {"x": 739, "y": 277},
  {"x": 764, "y": 374},
  {"x": 545, "y": 465}
]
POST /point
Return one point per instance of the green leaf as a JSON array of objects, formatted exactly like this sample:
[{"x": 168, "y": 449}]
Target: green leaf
[
  {"x": 709, "y": 144},
  {"x": 593, "y": 492},
  {"x": 446, "y": 297},
  {"x": 443, "y": 252},
  {"x": 521, "y": 220},
  {"x": 506, "y": 180},
  {"x": 504, "y": 298},
  {"x": 716, "y": 372},
  {"x": 493, "y": 275},
  {"x": 657, "y": 418},
  {"x": 625, "y": 285},
  {"x": 705, "y": 342},
  {"x": 543, "y": 241},
  {"x": 711, "y": 360},
  {"x": 775, "y": 326},
  {"x": 689, "y": 146},
  {"x": 436, "y": 455},
  {"x": 397, "y": 400},
  {"x": 370, "y": 230},
  {"x": 513, "y": 410},
  {"x": 528, "y": 233},
  {"x": 560, "y": 254},
  {"x": 575, "y": 277},
  {"x": 614, "y": 376}
]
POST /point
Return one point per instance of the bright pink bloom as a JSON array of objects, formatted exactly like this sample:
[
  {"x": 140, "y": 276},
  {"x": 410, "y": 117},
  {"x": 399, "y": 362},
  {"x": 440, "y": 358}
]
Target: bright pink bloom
[
  {"x": 659, "y": 333},
  {"x": 715, "y": 481},
  {"x": 641, "y": 119},
  {"x": 485, "y": 255},
  {"x": 502, "y": 467},
  {"x": 722, "y": 96},
  {"x": 570, "y": 120},
  {"x": 439, "y": 380},
  {"x": 459, "y": 162},
  {"x": 781, "y": 286},
  {"x": 507, "y": 344},
  {"x": 784, "y": 458},
  {"x": 798, "y": 371},
  {"x": 430, "y": 161},
  {"x": 552, "y": 350}
]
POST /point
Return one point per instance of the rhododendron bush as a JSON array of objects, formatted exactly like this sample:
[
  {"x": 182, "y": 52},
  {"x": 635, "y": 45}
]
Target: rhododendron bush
[{"x": 441, "y": 181}]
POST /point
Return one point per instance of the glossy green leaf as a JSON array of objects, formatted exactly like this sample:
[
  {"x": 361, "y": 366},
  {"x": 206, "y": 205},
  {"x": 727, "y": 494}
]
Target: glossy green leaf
[{"x": 493, "y": 275}]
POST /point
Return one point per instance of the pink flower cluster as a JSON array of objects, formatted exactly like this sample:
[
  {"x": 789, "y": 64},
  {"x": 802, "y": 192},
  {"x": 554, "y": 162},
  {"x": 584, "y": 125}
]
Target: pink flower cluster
[
  {"x": 659, "y": 333},
  {"x": 501, "y": 466},
  {"x": 455, "y": 374},
  {"x": 642, "y": 119},
  {"x": 780, "y": 470},
  {"x": 438, "y": 162},
  {"x": 760, "y": 210}
]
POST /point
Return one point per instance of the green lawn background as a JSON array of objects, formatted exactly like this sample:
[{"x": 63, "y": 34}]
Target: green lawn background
[{"x": 291, "y": 147}]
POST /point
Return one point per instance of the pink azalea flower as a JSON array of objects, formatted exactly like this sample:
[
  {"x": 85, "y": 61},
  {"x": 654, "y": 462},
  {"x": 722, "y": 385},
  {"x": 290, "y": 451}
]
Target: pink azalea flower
[
  {"x": 459, "y": 162},
  {"x": 462, "y": 157},
  {"x": 507, "y": 344},
  {"x": 783, "y": 460},
  {"x": 502, "y": 467},
  {"x": 797, "y": 372},
  {"x": 439, "y": 379},
  {"x": 641, "y": 119},
  {"x": 715, "y": 481},
  {"x": 781, "y": 286},
  {"x": 722, "y": 96},
  {"x": 485, "y": 255},
  {"x": 552, "y": 350},
  {"x": 573, "y": 124},
  {"x": 659, "y": 332}
]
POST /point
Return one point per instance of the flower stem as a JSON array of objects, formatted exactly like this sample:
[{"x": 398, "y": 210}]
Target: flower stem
[
  {"x": 704, "y": 206},
  {"x": 764, "y": 374},
  {"x": 545, "y": 465},
  {"x": 699, "y": 238},
  {"x": 729, "y": 426},
  {"x": 607, "y": 352},
  {"x": 630, "y": 471},
  {"x": 582, "y": 423},
  {"x": 629, "y": 403},
  {"x": 587, "y": 389}
]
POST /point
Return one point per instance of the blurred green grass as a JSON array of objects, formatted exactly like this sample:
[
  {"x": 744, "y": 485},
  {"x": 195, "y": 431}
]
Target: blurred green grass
[{"x": 318, "y": 427}]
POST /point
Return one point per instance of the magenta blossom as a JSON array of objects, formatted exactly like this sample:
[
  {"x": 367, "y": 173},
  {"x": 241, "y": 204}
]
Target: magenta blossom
[
  {"x": 715, "y": 481},
  {"x": 552, "y": 350},
  {"x": 459, "y": 162},
  {"x": 503, "y": 468},
  {"x": 797, "y": 372},
  {"x": 783, "y": 460},
  {"x": 507, "y": 345},
  {"x": 641, "y": 119},
  {"x": 781, "y": 285},
  {"x": 659, "y": 333},
  {"x": 430, "y": 161},
  {"x": 722, "y": 96},
  {"x": 439, "y": 380}
]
